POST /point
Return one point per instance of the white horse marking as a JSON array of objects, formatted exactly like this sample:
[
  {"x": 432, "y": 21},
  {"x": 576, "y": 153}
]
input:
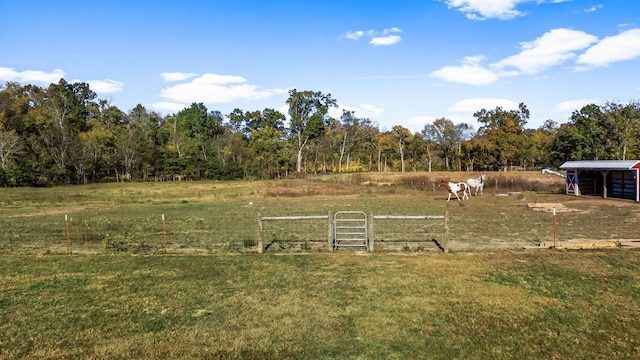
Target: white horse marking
[
  {"x": 477, "y": 184},
  {"x": 455, "y": 188}
]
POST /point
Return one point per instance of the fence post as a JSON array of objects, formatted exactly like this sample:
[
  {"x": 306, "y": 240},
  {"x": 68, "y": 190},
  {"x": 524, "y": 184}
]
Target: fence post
[
  {"x": 66, "y": 233},
  {"x": 446, "y": 231},
  {"x": 554, "y": 229},
  {"x": 260, "y": 235},
  {"x": 164, "y": 235},
  {"x": 372, "y": 237},
  {"x": 330, "y": 231}
]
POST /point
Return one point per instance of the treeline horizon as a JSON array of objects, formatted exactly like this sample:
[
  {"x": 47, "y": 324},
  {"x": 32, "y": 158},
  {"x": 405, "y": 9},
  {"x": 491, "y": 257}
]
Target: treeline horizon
[{"x": 64, "y": 134}]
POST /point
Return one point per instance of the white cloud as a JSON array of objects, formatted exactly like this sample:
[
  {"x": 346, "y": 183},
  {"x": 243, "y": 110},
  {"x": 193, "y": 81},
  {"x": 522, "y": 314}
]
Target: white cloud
[
  {"x": 376, "y": 38},
  {"x": 487, "y": 9},
  {"x": 391, "y": 30},
  {"x": 361, "y": 111},
  {"x": 469, "y": 73},
  {"x": 176, "y": 76},
  {"x": 566, "y": 108},
  {"x": 354, "y": 35},
  {"x": 29, "y": 76},
  {"x": 552, "y": 48},
  {"x": 106, "y": 86},
  {"x": 371, "y": 108},
  {"x": 169, "y": 107},
  {"x": 593, "y": 8},
  {"x": 477, "y": 104},
  {"x": 215, "y": 89},
  {"x": 493, "y": 9},
  {"x": 386, "y": 40},
  {"x": 420, "y": 121},
  {"x": 624, "y": 46}
]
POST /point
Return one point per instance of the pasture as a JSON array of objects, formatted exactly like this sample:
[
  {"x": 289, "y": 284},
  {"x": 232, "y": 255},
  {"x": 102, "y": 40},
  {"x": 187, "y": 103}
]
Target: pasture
[
  {"x": 212, "y": 296},
  {"x": 214, "y": 217}
]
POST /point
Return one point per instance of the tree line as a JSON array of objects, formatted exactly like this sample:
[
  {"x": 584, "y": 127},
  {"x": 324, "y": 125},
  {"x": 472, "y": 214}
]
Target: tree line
[{"x": 64, "y": 134}]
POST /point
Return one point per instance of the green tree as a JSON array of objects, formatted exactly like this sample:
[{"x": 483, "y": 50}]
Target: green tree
[
  {"x": 95, "y": 156},
  {"x": 506, "y": 130},
  {"x": 200, "y": 127},
  {"x": 145, "y": 126},
  {"x": 448, "y": 138},
  {"x": 11, "y": 146},
  {"x": 385, "y": 148},
  {"x": 539, "y": 148},
  {"x": 307, "y": 111},
  {"x": 352, "y": 131},
  {"x": 623, "y": 125},
  {"x": 584, "y": 137},
  {"x": 402, "y": 136},
  {"x": 14, "y": 106},
  {"x": 59, "y": 114}
]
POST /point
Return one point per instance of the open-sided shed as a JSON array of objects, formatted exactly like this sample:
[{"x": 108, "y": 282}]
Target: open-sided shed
[{"x": 606, "y": 178}]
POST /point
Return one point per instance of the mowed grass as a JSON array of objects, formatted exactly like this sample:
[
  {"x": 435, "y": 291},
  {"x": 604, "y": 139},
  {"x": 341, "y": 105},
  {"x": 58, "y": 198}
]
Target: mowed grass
[{"x": 484, "y": 305}]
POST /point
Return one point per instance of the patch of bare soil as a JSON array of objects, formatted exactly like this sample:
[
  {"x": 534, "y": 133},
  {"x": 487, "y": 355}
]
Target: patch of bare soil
[
  {"x": 55, "y": 211},
  {"x": 548, "y": 207}
]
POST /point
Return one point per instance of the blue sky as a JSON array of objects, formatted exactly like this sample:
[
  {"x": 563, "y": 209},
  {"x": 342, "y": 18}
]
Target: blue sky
[{"x": 396, "y": 62}]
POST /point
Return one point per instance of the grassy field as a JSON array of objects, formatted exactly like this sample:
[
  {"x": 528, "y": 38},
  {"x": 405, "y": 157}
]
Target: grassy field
[
  {"x": 214, "y": 217},
  {"x": 212, "y": 296},
  {"x": 486, "y": 305}
]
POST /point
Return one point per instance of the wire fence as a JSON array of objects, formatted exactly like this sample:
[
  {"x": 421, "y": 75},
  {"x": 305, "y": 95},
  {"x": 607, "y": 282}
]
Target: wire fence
[
  {"x": 103, "y": 233},
  {"x": 66, "y": 234}
]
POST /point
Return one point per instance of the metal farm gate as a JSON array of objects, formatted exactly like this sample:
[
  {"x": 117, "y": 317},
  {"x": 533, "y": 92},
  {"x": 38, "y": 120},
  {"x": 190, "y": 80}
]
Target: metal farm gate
[
  {"x": 353, "y": 229},
  {"x": 350, "y": 229}
]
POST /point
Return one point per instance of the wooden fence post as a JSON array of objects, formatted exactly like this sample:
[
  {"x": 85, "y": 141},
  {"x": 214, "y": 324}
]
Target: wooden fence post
[
  {"x": 164, "y": 234},
  {"x": 372, "y": 237},
  {"x": 66, "y": 231},
  {"x": 446, "y": 231},
  {"x": 260, "y": 235},
  {"x": 330, "y": 232}
]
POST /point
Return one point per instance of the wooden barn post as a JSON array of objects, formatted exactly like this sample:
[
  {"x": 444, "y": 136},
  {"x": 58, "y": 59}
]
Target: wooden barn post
[{"x": 260, "y": 234}]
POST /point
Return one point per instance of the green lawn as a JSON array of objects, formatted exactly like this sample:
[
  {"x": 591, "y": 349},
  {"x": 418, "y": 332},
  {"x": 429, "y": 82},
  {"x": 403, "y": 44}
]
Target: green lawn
[{"x": 502, "y": 305}]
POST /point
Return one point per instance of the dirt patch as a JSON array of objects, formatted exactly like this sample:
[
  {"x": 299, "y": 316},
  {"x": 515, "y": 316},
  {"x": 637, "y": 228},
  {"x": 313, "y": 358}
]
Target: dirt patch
[
  {"x": 56, "y": 211},
  {"x": 548, "y": 207}
]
